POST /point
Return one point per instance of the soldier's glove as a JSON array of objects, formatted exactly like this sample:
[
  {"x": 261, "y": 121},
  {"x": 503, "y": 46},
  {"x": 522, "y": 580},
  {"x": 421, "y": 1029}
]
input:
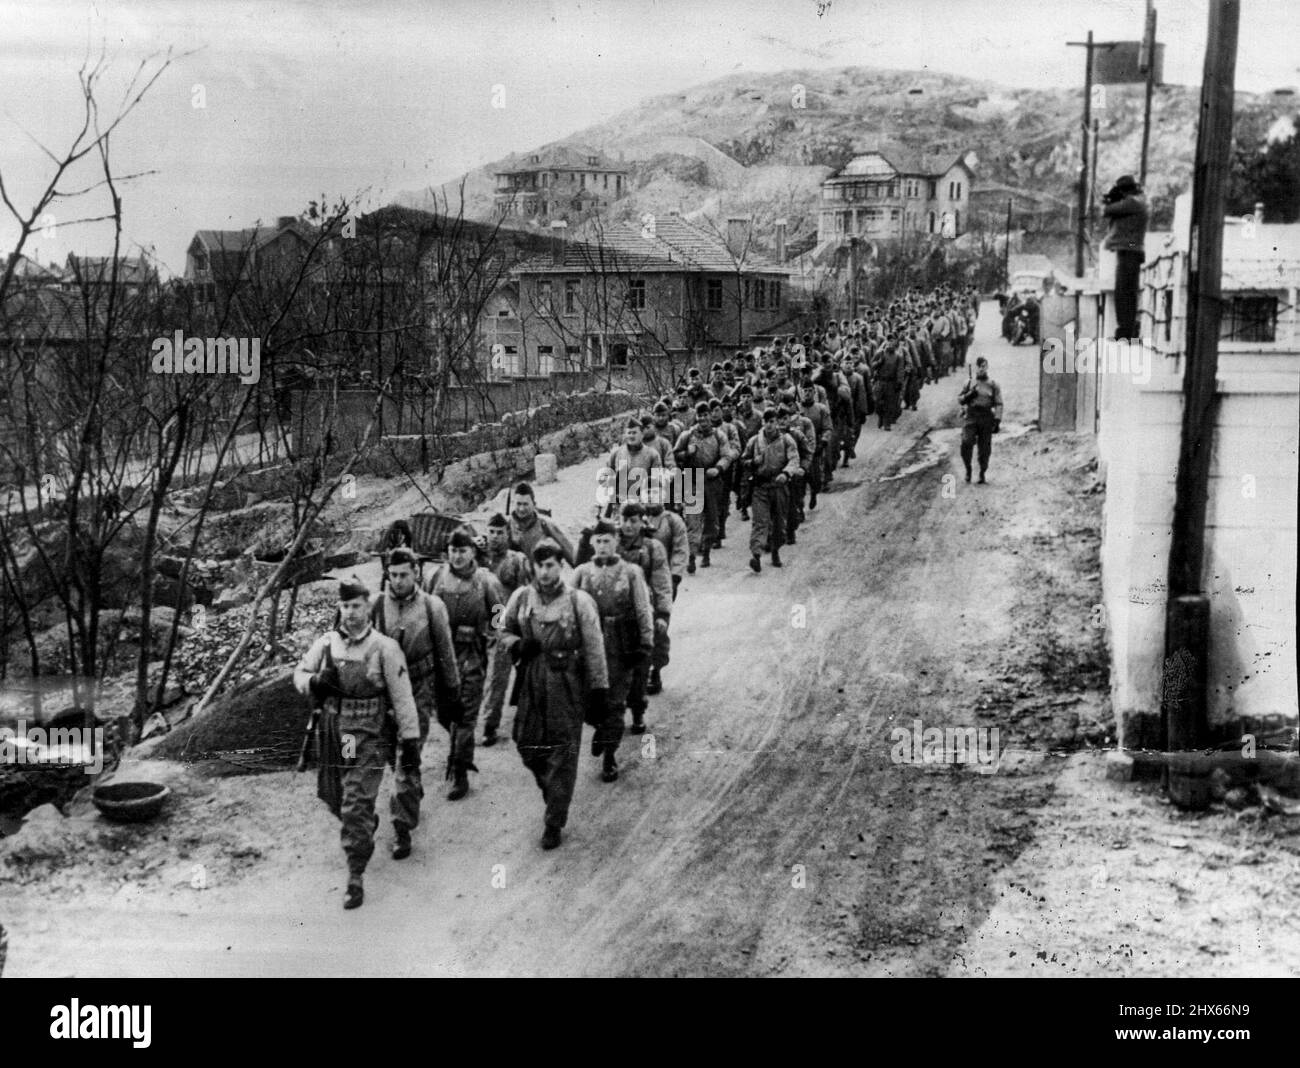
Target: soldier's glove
[
  {"x": 677, "y": 581},
  {"x": 325, "y": 683},
  {"x": 597, "y": 710},
  {"x": 711, "y": 472},
  {"x": 410, "y": 754},
  {"x": 524, "y": 650},
  {"x": 661, "y": 624}
]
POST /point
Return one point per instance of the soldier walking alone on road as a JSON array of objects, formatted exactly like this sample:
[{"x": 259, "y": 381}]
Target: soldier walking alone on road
[
  {"x": 360, "y": 678},
  {"x": 982, "y": 399},
  {"x": 418, "y": 622},
  {"x": 473, "y": 597},
  {"x": 623, "y": 603},
  {"x": 553, "y": 635}
]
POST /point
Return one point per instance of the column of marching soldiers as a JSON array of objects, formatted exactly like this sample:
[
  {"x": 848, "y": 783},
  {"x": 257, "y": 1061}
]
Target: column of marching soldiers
[{"x": 768, "y": 428}]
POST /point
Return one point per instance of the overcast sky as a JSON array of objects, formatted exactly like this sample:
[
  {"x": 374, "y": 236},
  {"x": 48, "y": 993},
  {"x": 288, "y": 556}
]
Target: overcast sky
[{"x": 337, "y": 96}]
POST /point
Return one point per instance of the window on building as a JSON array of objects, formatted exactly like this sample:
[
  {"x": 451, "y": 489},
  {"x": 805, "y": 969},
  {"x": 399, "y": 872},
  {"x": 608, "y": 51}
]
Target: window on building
[
  {"x": 1249, "y": 317},
  {"x": 931, "y": 222},
  {"x": 545, "y": 359},
  {"x": 713, "y": 294},
  {"x": 573, "y": 357},
  {"x": 570, "y": 296},
  {"x": 636, "y": 294},
  {"x": 544, "y": 295},
  {"x": 618, "y": 354},
  {"x": 956, "y": 221},
  {"x": 893, "y": 215},
  {"x": 774, "y": 293},
  {"x": 605, "y": 183},
  {"x": 934, "y": 188},
  {"x": 760, "y": 293},
  {"x": 510, "y": 366},
  {"x": 200, "y": 261},
  {"x": 1168, "y": 312},
  {"x": 893, "y": 189}
]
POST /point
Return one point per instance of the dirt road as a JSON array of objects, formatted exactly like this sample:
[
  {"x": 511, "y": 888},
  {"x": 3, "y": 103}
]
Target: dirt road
[{"x": 761, "y": 827}]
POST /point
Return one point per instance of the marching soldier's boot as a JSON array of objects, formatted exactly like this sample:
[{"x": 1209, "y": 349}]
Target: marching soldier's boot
[
  {"x": 460, "y": 784},
  {"x": 704, "y": 560},
  {"x": 690, "y": 565},
  {"x": 812, "y": 500},
  {"x": 982, "y": 479},
  {"x": 654, "y": 684},
  {"x": 402, "y": 844},
  {"x": 755, "y": 564},
  {"x": 551, "y": 838},
  {"x": 489, "y": 737},
  {"x": 355, "y": 892},
  {"x": 776, "y": 557},
  {"x": 609, "y": 772},
  {"x": 968, "y": 471},
  {"x": 638, "y": 722}
]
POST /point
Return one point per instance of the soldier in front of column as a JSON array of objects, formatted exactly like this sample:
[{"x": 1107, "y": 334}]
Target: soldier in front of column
[
  {"x": 512, "y": 569},
  {"x": 474, "y": 600},
  {"x": 772, "y": 458},
  {"x": 623, "y": 604},
  {"x": 553, "y": 635},
  {"x": 359, "y": 677},
  {"x": 982, "y": 401},
  {"x": 418, "y": 622}
]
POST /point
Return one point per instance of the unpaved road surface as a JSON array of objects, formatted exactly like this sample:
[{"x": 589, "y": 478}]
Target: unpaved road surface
[{"x": 761, "y": 827}]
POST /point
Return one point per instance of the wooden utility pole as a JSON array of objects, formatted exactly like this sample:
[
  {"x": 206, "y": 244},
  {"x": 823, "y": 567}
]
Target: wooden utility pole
[
  {"x": 1080, "y": 223},
  {"x": 1187, "y": 612},
  {"x": 1006, "y": 257},
  {"x": 1149, "y": 66}
]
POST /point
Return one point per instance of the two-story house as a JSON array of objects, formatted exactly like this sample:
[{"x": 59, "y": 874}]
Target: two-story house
[
  {"x": 653, "y": 289},
  {"x": 882, "y": 195},
  {"x": 562, "y": 182}
]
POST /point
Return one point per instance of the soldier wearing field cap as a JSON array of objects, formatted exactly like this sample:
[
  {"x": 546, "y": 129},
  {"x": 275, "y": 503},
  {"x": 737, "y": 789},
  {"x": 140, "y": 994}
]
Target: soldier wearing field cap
[
  {"x": 360, "y": 678},
  {"x": 772, "y": 460},
  {"x": 623, "y": 603},
  {"x": 553, "y": 635},
  {"x": 512, "y": 569},
  {"x": 418, "y": 621},
  {"x": 706, "y": 450}
]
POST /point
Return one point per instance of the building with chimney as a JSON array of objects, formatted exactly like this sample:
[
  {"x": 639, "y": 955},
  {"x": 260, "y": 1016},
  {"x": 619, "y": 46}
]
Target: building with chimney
[
  {"x": 884, "y": 194},
  {"x": 564, "y": 182},
  {"x": 657, "y": 289}
]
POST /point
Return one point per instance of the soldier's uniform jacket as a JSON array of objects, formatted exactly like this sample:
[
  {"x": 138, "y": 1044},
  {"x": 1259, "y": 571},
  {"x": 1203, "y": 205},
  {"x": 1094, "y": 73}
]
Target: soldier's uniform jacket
[
  {"x": 651, "y": 557},
  {"x": 622, "y": 602},
  {"x": 734, "y": 440},
  {"x": 623, "y": 458},
  {"x": 982, "y": 399},
  {"x": 663, "y": 447},
  {"x": 820, "y": 417},
  {"x": 860, "y": 399},
  {"x": 802, "y": 442},
  {"x": 890, "y": 368},
  {"x": 669, "y": 530},
  {"x": 749, "y": 425},
  {"x": 524, "y": 537},
  {"x": 770, "y": 458},
  {"x": 471, "y": 602},
  {"x": 940, "y": 327},
  {"x": 374, "y": 678},
  {"x": 554, "y": 684},
  {"x": 420, "y": 625},
  {"x": 711, "y": 447},
  {"x": 512, "y": 569}
]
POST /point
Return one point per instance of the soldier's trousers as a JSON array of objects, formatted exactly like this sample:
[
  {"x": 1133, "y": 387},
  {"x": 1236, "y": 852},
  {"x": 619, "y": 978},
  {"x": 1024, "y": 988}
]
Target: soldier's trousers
[
  {"x": 364, "y": 755},
  {"x": 912, "y": 389},
  {"x": 890, "y": 403},
  {"x": 663, "y": 646},
  {"x": 703, "y": 526},
  {"x": 496, "y": 688},
  {"x": 978, "y": 433},
  {"x": 555, "y": 769},
  {"x": 471, "y": 661},
  {"x": 771, "y": 502},
  {"x": 622, "y": 677},
  {"x": 408, "y": 789},
  {"x": 794, "y": 507}
]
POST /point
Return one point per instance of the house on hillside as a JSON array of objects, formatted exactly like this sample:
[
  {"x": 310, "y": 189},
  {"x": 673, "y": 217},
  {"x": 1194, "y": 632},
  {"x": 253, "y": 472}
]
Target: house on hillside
[
  {"x": 886, "y": 194},
  {"x": 559, "y": 183},
  {"x": 629, "y": 293}
]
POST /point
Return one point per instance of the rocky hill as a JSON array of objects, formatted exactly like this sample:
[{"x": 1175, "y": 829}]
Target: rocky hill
[{"x": 744, "y": 143}]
